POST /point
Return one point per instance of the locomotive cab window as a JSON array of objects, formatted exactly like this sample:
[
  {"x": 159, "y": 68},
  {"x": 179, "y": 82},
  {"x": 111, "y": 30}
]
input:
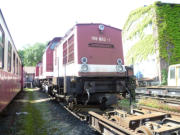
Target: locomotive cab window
[
  {"x": 1, "y": 47},
  {"x": 9, "y": 56},
  {"x": 172, "y": 73}
]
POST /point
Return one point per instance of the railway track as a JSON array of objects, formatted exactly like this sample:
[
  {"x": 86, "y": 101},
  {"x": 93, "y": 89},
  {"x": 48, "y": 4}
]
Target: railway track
[
  {"x": 115, "y": 121},
  {"x": 141, "y": 121},
  {"x": 173, "y": 114},
  {"x": 163, "y": 91},
  {"x": 168, "y": 100}
]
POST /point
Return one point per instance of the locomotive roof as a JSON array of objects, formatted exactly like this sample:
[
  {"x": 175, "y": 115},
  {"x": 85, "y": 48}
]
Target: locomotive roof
[
  {"x": 40, "y": 62},
  {"x": 97, "y": 24},
  {"x": 52, "y": 44},
  {"x": 79, "y": 24}
]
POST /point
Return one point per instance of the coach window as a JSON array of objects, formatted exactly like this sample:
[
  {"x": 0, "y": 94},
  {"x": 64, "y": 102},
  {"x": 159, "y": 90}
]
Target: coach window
[
  {"x": 9, "y": 56},
  {"x": 17, "y": 66},
  {"x": 14, "y": 62},
  {"x": 1, "y": 47}
]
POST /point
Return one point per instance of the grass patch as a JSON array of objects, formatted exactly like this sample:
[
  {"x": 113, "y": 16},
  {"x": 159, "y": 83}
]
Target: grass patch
[
  {"x": 158, "y": 104},
  {"x": 32, "y": 123},
  {"x": 124, "y": 104}
]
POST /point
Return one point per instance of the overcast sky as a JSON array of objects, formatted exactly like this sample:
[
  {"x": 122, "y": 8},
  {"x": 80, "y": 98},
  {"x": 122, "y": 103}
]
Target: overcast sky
[{"x": 31, "y": 21}]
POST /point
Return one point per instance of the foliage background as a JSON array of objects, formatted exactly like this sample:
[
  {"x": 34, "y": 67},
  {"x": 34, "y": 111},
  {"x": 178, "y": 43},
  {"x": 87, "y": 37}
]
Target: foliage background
[
  {"x": 164, "y": 16},
  {"x": 32, "y": 54},
  {"x": 134, "y": 27},
  {"x": 168, "y": 22},
  {"x": 165, "y": 21}
]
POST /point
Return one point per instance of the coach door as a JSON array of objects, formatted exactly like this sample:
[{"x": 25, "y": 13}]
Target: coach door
[{"x": 178, "y": 76}]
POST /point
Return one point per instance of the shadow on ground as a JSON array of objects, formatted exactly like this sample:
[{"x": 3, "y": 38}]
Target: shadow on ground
[{"x": 35, "y": 113}]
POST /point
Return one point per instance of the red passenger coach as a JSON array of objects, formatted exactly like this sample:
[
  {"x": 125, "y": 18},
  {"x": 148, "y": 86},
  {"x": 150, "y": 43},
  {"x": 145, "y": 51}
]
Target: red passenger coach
[{"x": 11, "y": 71}]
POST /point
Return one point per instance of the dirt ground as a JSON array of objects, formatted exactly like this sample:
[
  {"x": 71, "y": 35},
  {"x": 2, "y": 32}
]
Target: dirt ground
[{"x": 34, "y": 113}]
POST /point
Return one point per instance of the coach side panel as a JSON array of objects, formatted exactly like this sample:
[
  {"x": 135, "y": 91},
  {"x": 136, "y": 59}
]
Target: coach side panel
[{"x": 10, "y": 69}]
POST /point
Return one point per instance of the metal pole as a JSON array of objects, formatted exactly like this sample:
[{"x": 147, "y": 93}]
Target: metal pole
[
  {"x": 65, "y": 88},
  {"x": 130, "y": 100}
]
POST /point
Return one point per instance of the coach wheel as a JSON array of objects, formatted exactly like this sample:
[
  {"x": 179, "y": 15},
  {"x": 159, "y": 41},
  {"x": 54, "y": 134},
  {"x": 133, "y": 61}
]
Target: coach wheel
[{"x": 144, "y": 130}]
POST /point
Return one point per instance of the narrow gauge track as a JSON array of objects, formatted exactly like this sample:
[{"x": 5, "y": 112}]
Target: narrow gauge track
[
  {"x": 163, "y": 91},
  {"x": 173, "y": 114},
  {"x": 175, "y": 101},
  {"x": 93, "y": 115},
  {"x": 114, "y": 121}
]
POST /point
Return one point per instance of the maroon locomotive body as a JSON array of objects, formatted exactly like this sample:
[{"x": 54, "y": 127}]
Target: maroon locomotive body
[
  {"x": 47, "y": 60},
  {"x": 102, "y": 48},
  {"x": 88, "y": 66},
  {"x": 11, "y": 71},
  {"x": 91, "y": 41}
]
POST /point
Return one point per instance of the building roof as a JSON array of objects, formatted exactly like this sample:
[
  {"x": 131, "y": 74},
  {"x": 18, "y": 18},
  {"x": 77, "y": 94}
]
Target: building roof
[{"x": 29, "y": 70}]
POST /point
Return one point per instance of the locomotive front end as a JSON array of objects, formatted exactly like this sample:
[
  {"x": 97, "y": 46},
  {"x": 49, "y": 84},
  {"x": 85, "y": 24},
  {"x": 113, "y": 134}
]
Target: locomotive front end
[
  {"x": 100, "y": 51},
  {"x": 101, "y": 71}
]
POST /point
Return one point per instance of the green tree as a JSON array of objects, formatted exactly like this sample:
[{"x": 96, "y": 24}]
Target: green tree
[
  {"x": 21, "y": 55},
  {"x": 32, "y": 54}
]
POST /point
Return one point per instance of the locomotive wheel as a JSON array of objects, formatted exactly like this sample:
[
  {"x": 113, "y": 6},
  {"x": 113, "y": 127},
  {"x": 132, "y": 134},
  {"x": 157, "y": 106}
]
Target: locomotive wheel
[{"x": 144, "y": 130}]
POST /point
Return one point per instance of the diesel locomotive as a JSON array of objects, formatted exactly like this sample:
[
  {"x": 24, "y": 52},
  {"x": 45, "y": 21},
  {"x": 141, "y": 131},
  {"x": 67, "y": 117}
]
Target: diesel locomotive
[{"x": 86, "y": 66}]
